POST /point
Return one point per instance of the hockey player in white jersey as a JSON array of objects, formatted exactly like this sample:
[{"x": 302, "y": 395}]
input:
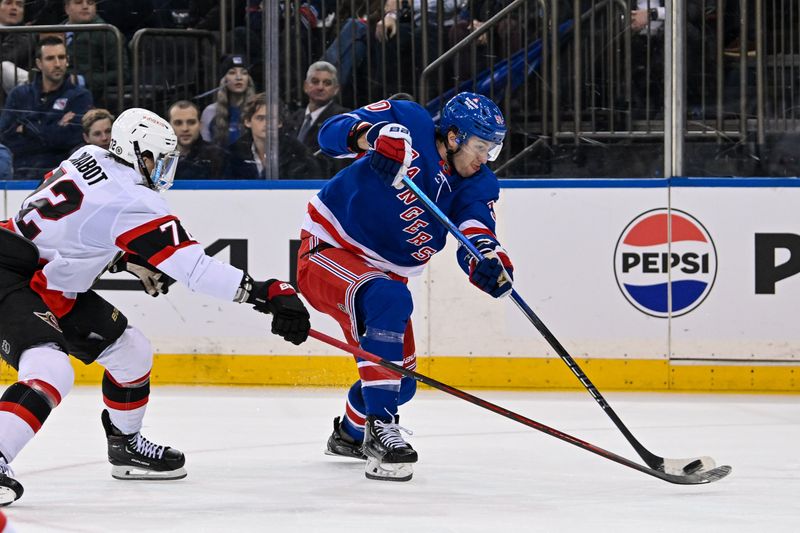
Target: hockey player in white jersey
[{"x": 96, "y": 205}]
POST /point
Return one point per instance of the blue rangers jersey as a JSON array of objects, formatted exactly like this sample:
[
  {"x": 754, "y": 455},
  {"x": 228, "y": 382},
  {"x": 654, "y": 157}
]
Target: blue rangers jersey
[{"x": 390, "y": 228}]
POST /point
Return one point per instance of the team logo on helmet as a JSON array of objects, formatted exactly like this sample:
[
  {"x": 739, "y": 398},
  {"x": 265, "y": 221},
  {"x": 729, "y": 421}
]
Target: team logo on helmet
[{"x": 662, "y": 276}]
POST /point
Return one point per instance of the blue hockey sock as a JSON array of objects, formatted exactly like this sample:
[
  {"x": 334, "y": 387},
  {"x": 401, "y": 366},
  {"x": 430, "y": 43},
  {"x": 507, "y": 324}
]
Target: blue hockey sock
[
  {"x": 383, "y": 307},
  {"x": 381, "y": 399}
]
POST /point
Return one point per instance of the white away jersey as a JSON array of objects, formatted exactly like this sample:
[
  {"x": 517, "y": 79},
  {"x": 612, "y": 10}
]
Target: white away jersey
[{"x": 90, "y": 208}]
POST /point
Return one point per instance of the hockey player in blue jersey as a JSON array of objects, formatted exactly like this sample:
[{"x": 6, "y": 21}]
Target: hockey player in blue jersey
[{"x": 364, "y": 234}]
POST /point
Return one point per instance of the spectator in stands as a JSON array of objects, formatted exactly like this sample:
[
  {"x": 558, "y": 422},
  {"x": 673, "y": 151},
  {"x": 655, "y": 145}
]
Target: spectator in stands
[
  {"x": 6, "y": 163},
  {"x": 507, "y": 37},
  {"x": 199, "y": 159},
  {"x": 393, "y": 35},
  {"x": 647, "y": 23},
  {"x": 220, "y": 120},
  {"x": 93, "y": 53},
  {"x": 16, "y": 49},
  {"x": 306, "y": 42},
  {"x": 321, "y": 86},
  {"x": 361, "y": 36},
  {"x": 348, "y": 51},
  {"x": 96, "y": 124},
  {"x": 41, "y": 121},
  {"x": 248, "y": 156}
]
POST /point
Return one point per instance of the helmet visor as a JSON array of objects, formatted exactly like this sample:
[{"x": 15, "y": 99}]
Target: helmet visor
[
  {"x": 164, "y": 171},
  {"x": 482, "y": 148}
]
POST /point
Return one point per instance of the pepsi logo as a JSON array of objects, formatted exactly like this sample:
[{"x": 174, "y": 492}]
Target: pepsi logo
[{"x": 662, "y": 276}]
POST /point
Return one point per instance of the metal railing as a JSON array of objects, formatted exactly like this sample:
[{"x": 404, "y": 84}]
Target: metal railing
[
  {"x": 578, "y": 92},
  {"x": 172, "y": 64}
]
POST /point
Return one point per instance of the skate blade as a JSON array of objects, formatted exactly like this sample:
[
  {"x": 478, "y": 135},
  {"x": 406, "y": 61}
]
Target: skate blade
[
  {"x": 134, "y": 473},
  {"x": 7, "y": 496},
  {"x": 388, "y": 471}
]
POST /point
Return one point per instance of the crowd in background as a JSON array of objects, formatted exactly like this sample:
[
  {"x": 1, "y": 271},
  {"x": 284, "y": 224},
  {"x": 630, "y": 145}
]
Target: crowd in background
[{"x": 59, "y": 88}]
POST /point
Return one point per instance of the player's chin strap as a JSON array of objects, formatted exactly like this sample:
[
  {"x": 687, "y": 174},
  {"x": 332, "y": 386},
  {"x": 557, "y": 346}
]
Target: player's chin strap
[
  {"x": 142, "y": 167},
  {"x": 450, "y": 154}
]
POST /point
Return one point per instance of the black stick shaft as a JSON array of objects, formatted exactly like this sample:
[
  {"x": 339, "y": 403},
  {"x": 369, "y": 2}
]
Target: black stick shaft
[
  {"x": 492, "y": 407},
  {"x": 652, "y": 460}
]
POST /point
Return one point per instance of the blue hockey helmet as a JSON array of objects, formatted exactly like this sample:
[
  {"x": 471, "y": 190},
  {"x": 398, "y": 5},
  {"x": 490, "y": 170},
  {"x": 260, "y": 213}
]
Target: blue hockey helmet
[{"x": 471, "y": 114}]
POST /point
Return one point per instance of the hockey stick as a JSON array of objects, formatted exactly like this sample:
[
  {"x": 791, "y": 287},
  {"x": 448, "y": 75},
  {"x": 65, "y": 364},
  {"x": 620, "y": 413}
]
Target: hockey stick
[
  {"x": 695, "y": 478},
  {"x": 671, "y": 466}
]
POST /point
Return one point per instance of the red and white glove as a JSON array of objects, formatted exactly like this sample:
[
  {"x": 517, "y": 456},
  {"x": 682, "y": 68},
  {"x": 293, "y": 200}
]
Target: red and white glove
[{"x": 390, "y": 152}]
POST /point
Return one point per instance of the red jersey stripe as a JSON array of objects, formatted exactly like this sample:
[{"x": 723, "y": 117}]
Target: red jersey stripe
[
  {"x": 124, "y": 239},
  {"x": 325, "y": 223},
  {"x": 478, "y": 231}
]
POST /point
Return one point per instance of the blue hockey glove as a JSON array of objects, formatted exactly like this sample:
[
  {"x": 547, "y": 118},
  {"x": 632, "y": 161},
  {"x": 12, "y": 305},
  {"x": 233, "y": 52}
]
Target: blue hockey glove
[
  {"x": 493, "y": 274},
  {"x": 390, "y": 154}
]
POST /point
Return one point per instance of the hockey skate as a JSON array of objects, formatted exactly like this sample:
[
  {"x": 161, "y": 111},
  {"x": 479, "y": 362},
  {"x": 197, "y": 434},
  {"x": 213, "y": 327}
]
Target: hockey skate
[
  {"x": 341, "y": 444},
  {"x": 389, "y": 457},
  {"x": 135, "y": 457},
  {"x": 10, "y": 489}
]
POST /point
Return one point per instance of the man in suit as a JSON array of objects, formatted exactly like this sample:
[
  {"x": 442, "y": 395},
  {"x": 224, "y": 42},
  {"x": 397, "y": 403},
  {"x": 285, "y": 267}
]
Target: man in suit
[{"x": 321, "y": 86}]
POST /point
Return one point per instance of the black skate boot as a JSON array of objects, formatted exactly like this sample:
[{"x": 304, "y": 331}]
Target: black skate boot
[
  {"x": 135, "y": 457},
  {"x": 389, "y": 457},
  {"x": 343, "y": 445},
  {"x": 10, "y": 489}
]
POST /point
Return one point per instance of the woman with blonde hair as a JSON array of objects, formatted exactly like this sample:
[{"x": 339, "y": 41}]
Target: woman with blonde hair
[{"x": 220, "y": 121}]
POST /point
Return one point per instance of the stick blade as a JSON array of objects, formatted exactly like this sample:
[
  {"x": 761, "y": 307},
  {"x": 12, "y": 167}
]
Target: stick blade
[
  {"x": 698, "y": 478},
  {"x": 692, "y": 465}
]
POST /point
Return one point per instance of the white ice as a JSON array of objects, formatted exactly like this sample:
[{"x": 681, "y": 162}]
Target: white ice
[{"x": 255, "y": 463}]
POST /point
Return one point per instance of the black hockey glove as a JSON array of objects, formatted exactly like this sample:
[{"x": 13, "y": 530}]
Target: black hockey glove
[
  {"x": 153, "y": 280},
  {"x": 290, "y": 318}
]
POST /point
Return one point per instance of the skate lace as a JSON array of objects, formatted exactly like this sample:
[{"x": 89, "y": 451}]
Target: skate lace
[
  {"x": 389, "y": 433},
  {"x": 145, "y": 447}
]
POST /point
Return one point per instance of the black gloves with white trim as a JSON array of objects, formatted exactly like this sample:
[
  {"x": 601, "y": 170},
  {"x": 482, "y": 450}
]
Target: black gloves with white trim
[{"x": 290, "y": 318}]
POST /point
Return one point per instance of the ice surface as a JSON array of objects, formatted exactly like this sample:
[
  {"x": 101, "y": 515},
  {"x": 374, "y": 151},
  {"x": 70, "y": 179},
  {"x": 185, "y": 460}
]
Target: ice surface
[{"x": 255, "y": 461}]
